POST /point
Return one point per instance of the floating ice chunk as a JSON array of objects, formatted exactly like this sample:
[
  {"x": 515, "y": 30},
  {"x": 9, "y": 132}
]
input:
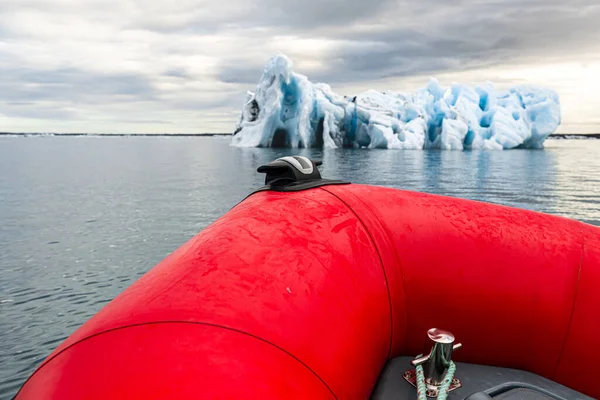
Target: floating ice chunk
[{"x": 288, "y": 110}]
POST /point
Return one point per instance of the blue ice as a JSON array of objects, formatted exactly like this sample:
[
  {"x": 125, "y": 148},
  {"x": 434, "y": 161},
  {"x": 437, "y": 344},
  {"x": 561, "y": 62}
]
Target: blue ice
[{"x": 290, "y": 111}]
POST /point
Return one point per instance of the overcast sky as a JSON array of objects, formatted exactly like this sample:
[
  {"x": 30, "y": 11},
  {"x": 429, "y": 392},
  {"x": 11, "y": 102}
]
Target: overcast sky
[{"x": 184, "y": 65}]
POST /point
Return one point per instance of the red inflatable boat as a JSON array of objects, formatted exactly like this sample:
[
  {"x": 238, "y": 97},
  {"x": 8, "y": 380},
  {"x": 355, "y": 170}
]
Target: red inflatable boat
[{"x": 317, "y": 289}]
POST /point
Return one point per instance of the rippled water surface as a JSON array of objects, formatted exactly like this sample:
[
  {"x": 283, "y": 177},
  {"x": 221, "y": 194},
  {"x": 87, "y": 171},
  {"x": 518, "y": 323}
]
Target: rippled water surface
[{"x": 82, "y": 218}]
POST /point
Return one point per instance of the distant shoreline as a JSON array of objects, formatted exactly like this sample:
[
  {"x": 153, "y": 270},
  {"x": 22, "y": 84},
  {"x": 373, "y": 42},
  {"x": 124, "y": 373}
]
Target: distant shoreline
[
  {"x": 110, "y": 134},
  {"x": 553, "y": 136},
  {"x": 574, "y": 136}
]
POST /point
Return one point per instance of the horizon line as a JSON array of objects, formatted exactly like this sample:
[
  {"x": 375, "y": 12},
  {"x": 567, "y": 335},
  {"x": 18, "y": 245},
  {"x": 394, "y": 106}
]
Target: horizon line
[{"x": 563, "y": 135}]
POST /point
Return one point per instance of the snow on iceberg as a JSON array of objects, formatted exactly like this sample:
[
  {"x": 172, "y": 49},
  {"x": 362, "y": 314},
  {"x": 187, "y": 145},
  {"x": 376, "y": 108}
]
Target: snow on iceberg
[{"x": 287, "y": 110}]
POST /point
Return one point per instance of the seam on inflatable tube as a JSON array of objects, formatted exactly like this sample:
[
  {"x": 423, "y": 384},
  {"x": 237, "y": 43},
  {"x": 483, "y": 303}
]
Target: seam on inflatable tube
[
  {"x": 402, "y": 275},
  {"x": 387, "y": 285},
  {"x": 178, "y": 322},
  {"x": 564, "y": 345}
]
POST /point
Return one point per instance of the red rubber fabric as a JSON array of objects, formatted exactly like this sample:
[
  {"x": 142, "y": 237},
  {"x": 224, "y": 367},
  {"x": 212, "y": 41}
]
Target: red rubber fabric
[
  {"x": 390, "y": 259},
  {"x": 578, "y": 367},
  {"x": 325, "y": 285},
  {"x": 193, "y": 361},
  {"x": 297, "y": 270}
]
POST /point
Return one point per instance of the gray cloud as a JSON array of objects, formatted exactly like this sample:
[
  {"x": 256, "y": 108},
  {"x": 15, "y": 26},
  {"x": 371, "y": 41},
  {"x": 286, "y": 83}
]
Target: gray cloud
[
  {"x": 307, "y": 15},
  {"x": 189, "y": 64},
  {"x": 239, "y": 72},
  {"x": 432, "y": 36},
  {"x": 177, "y": 73},
  {"x": 473, "y": 36},
  {"x": 24, "y": 84},
  {"x": 286, "y": 16},
  {"x": 146, "y": 121},
  {"x": 36, "y": 112}
]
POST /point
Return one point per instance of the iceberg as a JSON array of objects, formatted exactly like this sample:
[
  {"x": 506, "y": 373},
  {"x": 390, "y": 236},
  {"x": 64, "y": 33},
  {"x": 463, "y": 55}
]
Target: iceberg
[{"x": 287, "y": 110}]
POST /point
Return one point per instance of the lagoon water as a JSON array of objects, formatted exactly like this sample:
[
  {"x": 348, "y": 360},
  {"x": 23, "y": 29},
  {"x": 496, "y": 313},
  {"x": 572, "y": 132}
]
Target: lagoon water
[{"x": 82, "y": 217}]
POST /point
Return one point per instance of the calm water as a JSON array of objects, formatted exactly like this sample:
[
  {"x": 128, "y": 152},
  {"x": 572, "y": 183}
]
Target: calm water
[{"x": 82, "y": 218}]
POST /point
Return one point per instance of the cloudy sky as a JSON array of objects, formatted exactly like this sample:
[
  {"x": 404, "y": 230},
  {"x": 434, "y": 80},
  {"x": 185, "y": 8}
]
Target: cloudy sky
[{"x": 184, "y": 65}]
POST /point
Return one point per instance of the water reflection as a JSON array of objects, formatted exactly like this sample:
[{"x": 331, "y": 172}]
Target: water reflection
[{"x": 520, "y": 178}]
